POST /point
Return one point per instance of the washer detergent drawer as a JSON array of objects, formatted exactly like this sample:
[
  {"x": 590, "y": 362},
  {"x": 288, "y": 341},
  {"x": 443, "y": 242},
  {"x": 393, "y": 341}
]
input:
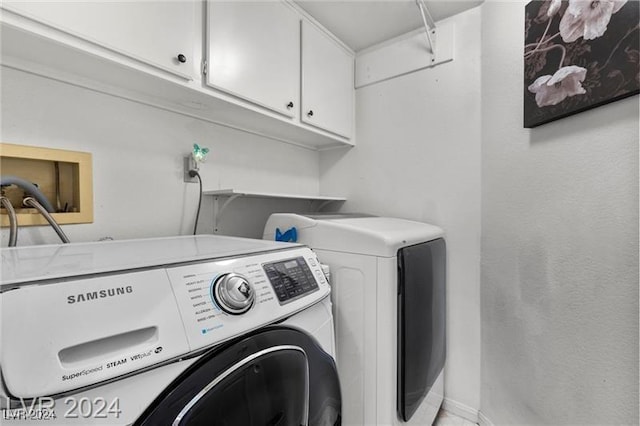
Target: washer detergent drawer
[{"x": 77, "y": 333}]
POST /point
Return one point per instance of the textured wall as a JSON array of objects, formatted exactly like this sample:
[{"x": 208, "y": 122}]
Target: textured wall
[
  {"x": 418, "y": 157},
  {"x": 559, "y": 250},
  {"x": 137, "y": 161}
]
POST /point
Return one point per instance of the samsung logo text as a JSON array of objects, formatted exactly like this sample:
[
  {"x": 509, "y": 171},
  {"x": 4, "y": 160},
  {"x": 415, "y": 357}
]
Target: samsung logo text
[{"x": 99, "y": 294}]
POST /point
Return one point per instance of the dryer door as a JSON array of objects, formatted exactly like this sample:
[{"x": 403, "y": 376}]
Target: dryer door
[
  {"x": 275, "y": 376},
  {"x": 421, "y": 322}
]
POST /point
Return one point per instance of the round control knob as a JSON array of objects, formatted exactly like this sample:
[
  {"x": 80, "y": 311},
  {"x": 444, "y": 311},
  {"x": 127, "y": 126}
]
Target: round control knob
[
  {"x": 233, "y": 293},
  {"x": 182, "y": 59}
]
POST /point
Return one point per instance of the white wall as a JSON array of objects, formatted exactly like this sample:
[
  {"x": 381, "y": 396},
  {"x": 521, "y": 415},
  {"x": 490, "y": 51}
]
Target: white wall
[
  {"x": 559, "y": 250},
  {"x": 137, "y": 161},
  {"x": 418, "y": 157}
]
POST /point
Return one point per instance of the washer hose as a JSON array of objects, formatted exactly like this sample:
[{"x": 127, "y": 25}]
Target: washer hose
[
  {"x": 31, "y": 202},
  {"x": 30, "y": 188},
  {"x": 13, "y": 221}
]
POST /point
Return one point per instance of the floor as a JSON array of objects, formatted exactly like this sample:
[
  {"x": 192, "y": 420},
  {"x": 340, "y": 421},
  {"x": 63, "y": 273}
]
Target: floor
[{"x": 445, "y": 418}]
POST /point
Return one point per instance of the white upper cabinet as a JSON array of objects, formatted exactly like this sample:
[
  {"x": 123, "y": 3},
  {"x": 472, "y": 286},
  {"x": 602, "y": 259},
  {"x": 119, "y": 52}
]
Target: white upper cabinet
[
  {"x": 253, "y": 52},
  {"x": 158, "y": 33},
  {"x": 271, "y": 69},
  {"x": 327, "y": 82}
]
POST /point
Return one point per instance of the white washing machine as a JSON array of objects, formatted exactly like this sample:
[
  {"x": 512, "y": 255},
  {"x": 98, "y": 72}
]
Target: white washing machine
[
  {"x": 172, "y": 331},
  {"x": 388, "y": 279}
]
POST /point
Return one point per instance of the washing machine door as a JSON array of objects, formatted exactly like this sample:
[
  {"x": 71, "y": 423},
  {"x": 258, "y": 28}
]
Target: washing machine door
[{"x": 276, "y": 376}]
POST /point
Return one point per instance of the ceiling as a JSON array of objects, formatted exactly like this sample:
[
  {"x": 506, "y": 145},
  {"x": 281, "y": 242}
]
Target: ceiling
[{"x": 364, "y": 23}]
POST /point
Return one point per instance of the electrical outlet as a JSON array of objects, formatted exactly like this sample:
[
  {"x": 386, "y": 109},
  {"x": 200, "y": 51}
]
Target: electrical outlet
[{"x": 189, "y": 164}]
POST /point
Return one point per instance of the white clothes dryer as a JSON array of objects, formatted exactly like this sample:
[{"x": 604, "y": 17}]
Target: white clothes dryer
[
  {"x": 388, "y": 279},
  {"x": 203, "y": 330}
]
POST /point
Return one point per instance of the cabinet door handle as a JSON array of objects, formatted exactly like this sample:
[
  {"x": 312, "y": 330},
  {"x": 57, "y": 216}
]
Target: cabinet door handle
[
  {"x": 310, "y": 113},
  {"x": 182, "y": 59},
  {"x": 290, "y": 105}
]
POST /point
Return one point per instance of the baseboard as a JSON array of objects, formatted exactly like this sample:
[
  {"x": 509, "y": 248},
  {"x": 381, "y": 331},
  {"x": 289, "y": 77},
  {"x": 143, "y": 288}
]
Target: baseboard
[
  {"x": 460, "y": 410},
  {"x": 484, "y": 420},
  {"x": 466, "y": 412}
]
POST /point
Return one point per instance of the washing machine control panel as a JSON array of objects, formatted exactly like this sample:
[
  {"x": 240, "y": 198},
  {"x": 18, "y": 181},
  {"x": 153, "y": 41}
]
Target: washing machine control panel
[
  {"x": 164, "y": 313},
  {"x": 291, "y": 278},
  {"x": 222, "y": 299}
]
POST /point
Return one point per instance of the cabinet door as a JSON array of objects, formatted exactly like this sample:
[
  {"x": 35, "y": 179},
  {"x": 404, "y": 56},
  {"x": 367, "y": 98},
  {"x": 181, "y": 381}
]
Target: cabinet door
[
  {"x": 327, "y": 82},
  {"x": 253, "y": 52},
  {"x": 154, "y": 32}
]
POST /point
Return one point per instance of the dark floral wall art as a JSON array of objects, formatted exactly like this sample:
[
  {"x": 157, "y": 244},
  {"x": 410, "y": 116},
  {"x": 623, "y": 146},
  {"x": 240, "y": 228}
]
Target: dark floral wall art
[{"x": 579, "y": 54}]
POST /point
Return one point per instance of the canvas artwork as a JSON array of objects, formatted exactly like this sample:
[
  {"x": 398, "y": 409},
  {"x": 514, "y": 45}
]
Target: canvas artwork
[{"x": 579, "y": 54}]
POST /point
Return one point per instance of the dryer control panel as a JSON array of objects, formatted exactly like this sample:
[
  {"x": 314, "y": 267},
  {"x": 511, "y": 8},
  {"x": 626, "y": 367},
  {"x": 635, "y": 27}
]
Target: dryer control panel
[{"x": 223, "y": 299}]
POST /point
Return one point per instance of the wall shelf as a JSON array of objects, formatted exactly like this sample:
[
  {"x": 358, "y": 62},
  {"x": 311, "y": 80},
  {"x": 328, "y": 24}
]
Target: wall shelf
[{"x": 317, "y": 202}]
